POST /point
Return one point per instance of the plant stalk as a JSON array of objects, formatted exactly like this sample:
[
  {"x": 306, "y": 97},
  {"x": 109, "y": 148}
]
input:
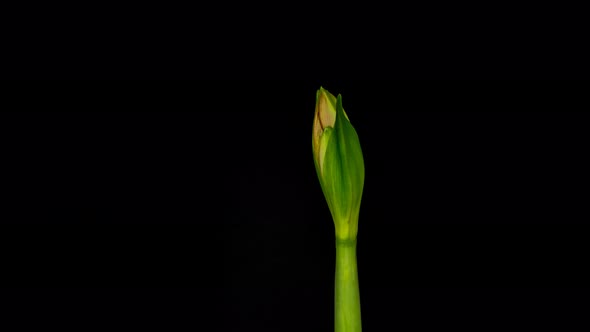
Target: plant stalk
[{"x": 347, "y": 305}]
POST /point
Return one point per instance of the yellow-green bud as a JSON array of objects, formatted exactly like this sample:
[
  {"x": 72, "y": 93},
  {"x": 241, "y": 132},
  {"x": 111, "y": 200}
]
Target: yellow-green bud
[{"x": 339, "y": 163}]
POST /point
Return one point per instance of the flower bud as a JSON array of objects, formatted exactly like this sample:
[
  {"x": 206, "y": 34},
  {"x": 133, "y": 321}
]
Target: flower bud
[{"x": 339, "y": 163}]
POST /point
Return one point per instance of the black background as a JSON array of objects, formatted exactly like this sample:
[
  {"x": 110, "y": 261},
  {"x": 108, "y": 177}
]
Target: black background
[{"x": 195, "y": 206}]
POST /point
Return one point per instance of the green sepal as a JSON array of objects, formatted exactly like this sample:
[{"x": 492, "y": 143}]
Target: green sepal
[
  {"x": 343, "y": 175},
  {"x": 325, "y": 138}
]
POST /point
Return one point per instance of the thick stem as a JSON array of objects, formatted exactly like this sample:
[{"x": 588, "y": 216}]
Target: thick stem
[{"x": 347, "y": 305}]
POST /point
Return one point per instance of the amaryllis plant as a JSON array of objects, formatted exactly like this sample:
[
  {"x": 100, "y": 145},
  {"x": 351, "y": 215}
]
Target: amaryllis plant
[{"x": 340, "y": 167}]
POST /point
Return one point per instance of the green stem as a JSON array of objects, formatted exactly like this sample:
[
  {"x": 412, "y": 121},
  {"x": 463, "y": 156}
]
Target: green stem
[{"x": 347, "y": 305}]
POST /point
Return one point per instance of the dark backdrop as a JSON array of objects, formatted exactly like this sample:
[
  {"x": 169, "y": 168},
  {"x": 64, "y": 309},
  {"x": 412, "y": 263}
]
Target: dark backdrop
[{"x": 195, "y": 206}]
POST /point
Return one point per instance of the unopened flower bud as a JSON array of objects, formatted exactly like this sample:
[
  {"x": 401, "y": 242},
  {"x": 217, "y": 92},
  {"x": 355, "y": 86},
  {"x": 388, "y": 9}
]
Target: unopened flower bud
[{"x": 339, "y": 163}]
